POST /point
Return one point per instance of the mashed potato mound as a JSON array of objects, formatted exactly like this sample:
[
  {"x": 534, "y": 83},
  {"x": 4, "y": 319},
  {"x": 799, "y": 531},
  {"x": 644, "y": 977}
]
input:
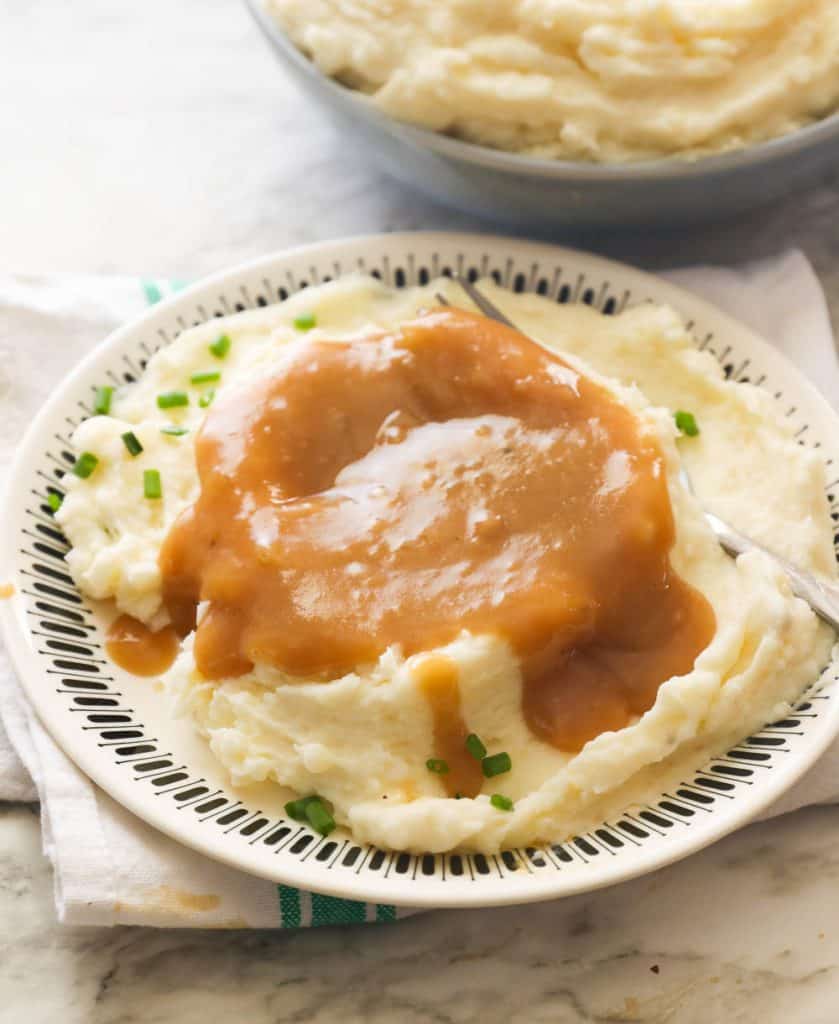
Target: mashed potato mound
[
  {"x": 598, "y": 80},
  {"x": 362, "y": 741}
]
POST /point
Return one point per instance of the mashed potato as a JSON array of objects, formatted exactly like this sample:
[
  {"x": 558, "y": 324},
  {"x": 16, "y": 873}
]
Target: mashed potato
[
  {"x": 600, "y": 80},
  {"x": 361, "y": 741}
]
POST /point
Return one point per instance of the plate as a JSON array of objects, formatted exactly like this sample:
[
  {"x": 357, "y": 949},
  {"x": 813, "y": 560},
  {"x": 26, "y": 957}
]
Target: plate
[{"x": 119, "y": 730}]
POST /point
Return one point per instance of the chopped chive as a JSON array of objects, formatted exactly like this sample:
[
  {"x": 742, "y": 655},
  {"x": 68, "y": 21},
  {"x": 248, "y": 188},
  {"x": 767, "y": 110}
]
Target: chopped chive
[
  {"x": 497, "y": 764},
  {"x": 686, "y": 422},
  {"x": 102, "y": 400},
  {"x": 220, "y": 347},
  {"x": 152, "y": 488},
  {"x": 503, "y": 803},
  {"x": 207, "y": 398},
  {"x": 85, "y": 465},
  {"x": 296, "y": 809},
  {"x": 475, "y": 747},
  {"x": 174, "y": 431},
  {"x": 314, "y": 810},
  {"x": 437, "y": 765},
  {"x": 54, "y": 500},
  {"x": 129, "y": 439},
  {"x": 172, "y": 399},
  {"x": 205, "y": 377},
  {"x": 458, "y": 796},
  {"x": 319, "y": 817},
  {"x": 305, "y": 322}
]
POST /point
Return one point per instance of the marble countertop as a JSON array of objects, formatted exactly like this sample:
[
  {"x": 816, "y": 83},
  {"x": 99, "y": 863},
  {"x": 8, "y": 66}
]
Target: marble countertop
[
  {"x": 161, "y": 138},
  {"x": 746, "y": 931}
]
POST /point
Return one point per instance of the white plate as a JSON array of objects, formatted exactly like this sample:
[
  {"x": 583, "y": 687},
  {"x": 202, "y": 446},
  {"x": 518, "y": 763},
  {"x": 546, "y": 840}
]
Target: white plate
[{"x": 118, "y": 729}]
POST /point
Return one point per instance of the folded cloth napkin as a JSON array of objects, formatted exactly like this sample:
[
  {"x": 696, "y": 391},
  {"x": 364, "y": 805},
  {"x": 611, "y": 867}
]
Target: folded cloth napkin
[{"x": 110, "y": 867}]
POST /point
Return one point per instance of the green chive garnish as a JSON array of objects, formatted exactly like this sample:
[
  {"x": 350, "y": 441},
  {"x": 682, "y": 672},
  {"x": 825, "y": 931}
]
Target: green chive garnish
[
  {"x": 220, "y": 347},
  {"x": 503, "y": 803},
  {"x": 313, "y": 810},
  {"x": 85, "y": 465},
  {"x": 437, "y": 765},
  {"x": 54, "y": 500},
  {"x": 686, "y": 422},
  {"x": 174, "y": 431},
  {"x": 207, "y": 398},
  {"x": 296, "y": 809},
  {"x": 129, "y": 439},
  {"x": 475, "y": 747},
  {"x": 152, "y": 488},
  {"x": 205, "y": 377},
  {"x": 172, "y": 399},
  {"x": 319, "y": 817},
  {"x": 497, "y": 764},
  {"x": 305, "y": 322},
  {"x": 102, "y": 400}
]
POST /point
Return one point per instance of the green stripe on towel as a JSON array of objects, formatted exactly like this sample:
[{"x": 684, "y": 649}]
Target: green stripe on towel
[
  {"x": 331, "y": 910},
  {"x": 152, "y": 291},
  {"x": 289, "y": 906},
  {"x": 327, "y": 910}
]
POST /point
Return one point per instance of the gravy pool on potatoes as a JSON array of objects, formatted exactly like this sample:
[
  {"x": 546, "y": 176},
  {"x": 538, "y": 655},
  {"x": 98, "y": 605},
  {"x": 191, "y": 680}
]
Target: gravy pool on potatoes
[{"x": 449, "y": 475}]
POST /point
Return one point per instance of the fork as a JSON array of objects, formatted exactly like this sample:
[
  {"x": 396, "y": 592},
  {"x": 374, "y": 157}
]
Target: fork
[{"x": 821, "y": 595}]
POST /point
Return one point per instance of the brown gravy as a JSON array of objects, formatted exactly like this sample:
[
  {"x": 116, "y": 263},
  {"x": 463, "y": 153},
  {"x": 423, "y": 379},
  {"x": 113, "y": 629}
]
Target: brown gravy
[
  {"x": 134, "y": 647},
  {"x": 439, "y": 680},
  {"x": 452, "y": 475}
]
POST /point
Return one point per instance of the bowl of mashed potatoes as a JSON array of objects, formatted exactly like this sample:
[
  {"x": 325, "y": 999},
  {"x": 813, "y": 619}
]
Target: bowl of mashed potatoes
[
  {"x": 363, "y": 592},
  {"x": 577, "y": 113}
]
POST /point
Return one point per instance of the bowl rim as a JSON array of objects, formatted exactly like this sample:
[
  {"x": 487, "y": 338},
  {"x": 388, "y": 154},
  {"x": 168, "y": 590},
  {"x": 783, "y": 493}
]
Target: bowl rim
[{"x": 812, "y": 135}]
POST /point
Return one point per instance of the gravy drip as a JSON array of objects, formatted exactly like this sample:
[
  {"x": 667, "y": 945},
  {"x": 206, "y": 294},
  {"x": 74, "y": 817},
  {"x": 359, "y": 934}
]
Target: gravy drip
[
  {"x": 134, "y": 647},
  {"x": 439, "y": 680},
  {"x": 452, "y": 475}
]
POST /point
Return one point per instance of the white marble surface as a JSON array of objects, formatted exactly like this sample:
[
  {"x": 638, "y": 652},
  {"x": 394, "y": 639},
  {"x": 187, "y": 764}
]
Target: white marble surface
[
  {"x": 161, "y": 138},
  {"x": 745, "y": 932}
]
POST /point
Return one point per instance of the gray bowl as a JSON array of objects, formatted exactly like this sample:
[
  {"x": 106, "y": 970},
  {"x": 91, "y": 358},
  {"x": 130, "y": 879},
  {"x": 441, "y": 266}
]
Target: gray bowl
[{"x": 549, "y": 193}]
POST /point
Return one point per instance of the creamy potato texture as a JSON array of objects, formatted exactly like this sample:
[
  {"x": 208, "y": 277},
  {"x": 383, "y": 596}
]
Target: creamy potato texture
[
  {"x": 362, "y": 741},
  {"x": 598, "y": 80}
]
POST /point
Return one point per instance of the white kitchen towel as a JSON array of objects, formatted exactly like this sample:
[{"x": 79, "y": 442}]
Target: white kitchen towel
[{"x": 109, "y": 866}]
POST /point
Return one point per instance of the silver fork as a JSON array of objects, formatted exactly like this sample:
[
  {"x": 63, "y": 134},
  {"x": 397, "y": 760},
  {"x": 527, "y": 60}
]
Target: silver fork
[{"x": 820, "y": 595}]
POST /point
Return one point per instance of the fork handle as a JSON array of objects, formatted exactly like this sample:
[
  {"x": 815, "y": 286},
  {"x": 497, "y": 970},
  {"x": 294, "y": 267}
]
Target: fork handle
[{"x": 823, "y": 597}]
